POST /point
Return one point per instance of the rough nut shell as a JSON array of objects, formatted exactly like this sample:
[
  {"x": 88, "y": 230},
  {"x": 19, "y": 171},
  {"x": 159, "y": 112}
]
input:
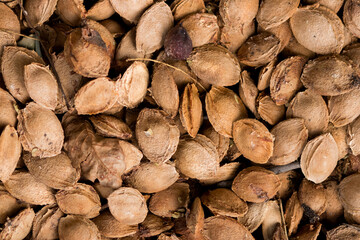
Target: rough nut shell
[
  {"x": 351, "y": 16},
  {"x": 182, "y": 8},
  {"x": 18, "y": 227},
  {"x": 74, "y": 227},
  {"x": 7, "y": 110},
  {"x": 46, "y": 222}
]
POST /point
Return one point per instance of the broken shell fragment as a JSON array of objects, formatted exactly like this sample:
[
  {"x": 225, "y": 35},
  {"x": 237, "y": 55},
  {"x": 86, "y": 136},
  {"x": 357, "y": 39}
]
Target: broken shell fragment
[
  {"x": 18, "y": 227},
  {"x": 46, "y": 222}
]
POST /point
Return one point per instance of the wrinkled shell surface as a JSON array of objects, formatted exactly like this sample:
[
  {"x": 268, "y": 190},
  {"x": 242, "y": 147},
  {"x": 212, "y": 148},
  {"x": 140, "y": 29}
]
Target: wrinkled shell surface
[{"x": 74, "y": 227}]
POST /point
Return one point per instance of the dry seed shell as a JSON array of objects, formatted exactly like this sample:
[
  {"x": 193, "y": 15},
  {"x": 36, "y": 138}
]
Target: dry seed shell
[
  {"x": 80, "y": 199},
  {"x": 352, "y": 216},
  {"x": 13, "y": 61},
  {"x": 253, "y": 140},
  {"x": 349, "y": 192},
  {"x": 97, "y": 96},
  {"x": 351, "y": 16},
  {"x": 111, "y": 228},
  {"x": 353, "y": 135},
  {"x": 169, "y": 201},
  {"x": 182, "y": 8},
  {"x": 344, "y": 108},
  {"x": 195, "y": 219},
  {"x": 39, "y": 12},
  {"x": 334, "y": 209},
  {"x": 259, "y": 49},
  {"x": 273, "y": 13},
  {"x": 289, "y": 182},
  {"x": 9, "y": 20},
  {"x": 131, "y": 87},
  {"x": 197, "y": 157},
  {"x": 157, "y": 135},
  {"x": 290, "y": 138},
  {"x": 131, "y": 10},
  {"x": 18, "y": 227},
  {"x": 265, "y": 75},
  {"x": 56, "y": 172},
  {"x": 319, "y": 158},
  {"x": 204, "y": 62},
  {"x": 166, "y": 237},
  {"x": 128, "y": 206},
  {"x": 25, "y": 187},
  {"x": 41, "y": 85},
  {"x": 238, "y": 12},
  {"x": 344, "y": 232},
  {"x": 164, "y": 90},
  {"x": 221, "y": 142},
  {"x": 7, "y": 110},
  {"x": 102, "y": 9},
  {"x": 10, "y": 152},
  {"x": 191, "y": 110},
  {"x": 283, "y": 32},
  {"x": 233, "y": 36},
  {"x": 132, "y": 155},
  {"x": 110, "y": 126},
  {"x": 271, "y": 221},
  {"x": 294, "y": 48},
  {"x": 318, "y": 29},
  {"x": 225, "y": 202},
  {"x": 254, "y": 216},
  {"x": 248, "y": 91},
  {"x": 74, "y": 227},
  {"x": 9, "y": 206},
  {"x": 153, "y": 177},
  {"x": 312, "y": 108},
  {"x": 308, "y": 232},
  {"x": 40, "y": 131},
  {"x": 202, "y": 28},
  {"x": 115, "y": 28},
  {"x": 154, "y": 225},
  {"x": 353, "y": 52},
  {"x": 70, "y": 11},
  {"x": 268, "y": 110},
  {"x": 154, "y": 23},
  {"x": 256, "y": 184},
  {"x": 46, "y": 221},
  {"x": 313, "y": 198},
  {"x": 293, "y": 213},
  {"x": 330, "y": 75},
  {"x": 223, "y": 108},
  {"x": 224, "y": 173},
  {"x": 340, "y": 136},
  {"x": 285, "y": 79},
  {"x": 221, "y": 228},
  {"x": 334, "y": 5}
]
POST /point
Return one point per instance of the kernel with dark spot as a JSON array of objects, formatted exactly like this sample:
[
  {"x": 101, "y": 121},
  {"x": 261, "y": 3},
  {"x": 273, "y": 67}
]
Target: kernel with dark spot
[{"x": 178, "y": 44}]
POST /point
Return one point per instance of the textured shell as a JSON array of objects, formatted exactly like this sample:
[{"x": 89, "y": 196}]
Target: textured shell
[
  {"x": 164, "y": 90},
  {"x": 13, "y": 61},
  {"x": 111, "y": 228},
  {"x": 39, "y": 11},
  {"x": 319, "y": 158},
  {"x": 131, "y": 10},
  {"x": 56, "y": 172},
  {"x": 9, "y": 205},
  {"x": 353, "y": 136},
  {"x": 256, "y": 184},
  {"x": 349, "y": 192},
  {"x": 344, "y": 108},
  {"x": 334, "y": 5},
  {"x": 282, "y": 31},
  {"x": 204, "y": 62},
  {"x": 46, "y": 222},
  {"x": 271, "y": 225},
  {"x": 197, "y": 157},
  {"x": 318, "y": 29},
  {"x": 312, "y": 108},
  {"x": 10, "y": 152},
  {"x": 202, "y": 28},
  {"x": 265, "y": 75},
  {"x": 96, "y": 96},
  {"x": 330, "y": 75},
  {"x": 259, "y": 49},
  {"x": 273, "y": 13},
  {"x": 351, "y": 16},
  {"x": 334, "y": 208},
  {"x": 253, "y": 140},
  {"x": 132, "y": 155},
  {"x": 191, "y": 110},
  {"x": 340, "y": 136},
  {"x": 312, "y": 197},
  {"x": 9, "y": 20},
  {"x": 285, "y": 79},
  {"x": 233, "y": 36},
  {"x": 110, "y": 126},
  {"x": 155, "y": 22},
  {"x": 154, "y": 225},
  {"x": 225, "y": 172},
  {"x": 238, "y": 12},
  {"x": 343, "y": 232},
  {"x": 220, "y": 227},
  {"x": 101, "y": 10},
  {"x": 25, "y": 187},
  {"x": 254, "y": 216},
  {"x": 131, "y": 87},
  {"x": 290, "y": 138},
  {"x": 293, "y": 213},
  {"x": 18, "y": 227},
  {"x": 41, "y": 85},
  {"x": 182, "y": 8},
  {"x": 74, "y": 227},
  {"x": 223, "y": 108},
  {"x": 40, "y": 131},
  {"x": 225, "y": 202},
  {"x": 169, "y": 202},
  {"x": 70, "y": 11},
  {"x": 128, "y": 206},
  {"x": 157, "y": 135},
  {"x": 269, "y": 111},
  {"x": 248, "y": 91},
  {"x": 221, "y": 142},
  {"x": 153, "y": 177}
]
